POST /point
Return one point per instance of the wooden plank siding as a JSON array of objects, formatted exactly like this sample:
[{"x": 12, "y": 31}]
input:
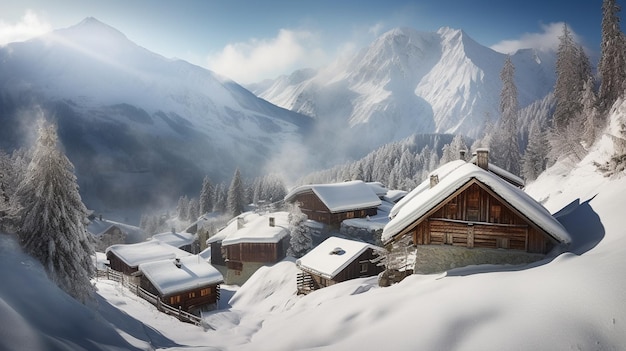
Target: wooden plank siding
[
  {"x": 476, "y": 217},
  {"x": 316, "y": 210},
  {"x": 358, "y": 268},
  {"x": 118, "y": 265},
  {"x": 257, "y": 252},
  {"x": 186, "y": 300}
]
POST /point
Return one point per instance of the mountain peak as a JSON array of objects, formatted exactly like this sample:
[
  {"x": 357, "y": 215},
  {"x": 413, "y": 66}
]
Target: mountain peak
[{"x": 94, "y": 29}]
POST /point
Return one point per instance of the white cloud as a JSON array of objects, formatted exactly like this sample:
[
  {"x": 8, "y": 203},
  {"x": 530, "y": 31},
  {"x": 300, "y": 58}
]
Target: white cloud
[
  {"x": 256, "y": 59},
  {"x": 28, "y": 27},
  {"x": 546, "y": 40},
  {"x": 376, "y": 29}
]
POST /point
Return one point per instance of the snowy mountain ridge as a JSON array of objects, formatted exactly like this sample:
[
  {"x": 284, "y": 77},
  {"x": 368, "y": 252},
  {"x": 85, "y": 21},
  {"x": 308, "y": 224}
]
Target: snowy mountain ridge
[
  {"x": 427, "y": 82},
  {"x": 133, "y": 121}
]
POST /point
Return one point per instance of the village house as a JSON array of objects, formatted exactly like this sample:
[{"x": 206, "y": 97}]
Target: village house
[
  {"x": 126, "y": 258},
  {"x": 465, "y": 214},
  {"x": 249, "y": 242},
  {"x": 182, "y": 240},
  {"x": 336, "y": 260},
  {"x": 333, "y": 203},
  {"x": 188, "y": 283}
]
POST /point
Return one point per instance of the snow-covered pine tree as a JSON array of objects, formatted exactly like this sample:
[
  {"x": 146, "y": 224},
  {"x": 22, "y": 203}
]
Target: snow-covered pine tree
[
  {"x": 592, "y": 122},
  {"x": 193, "y": 210},
  {"x": 612, "y": 65},
  {"x": 51, "y": 218},
  {"x": 569, "y": 83},
  {"x": 301, "y": 241},
  {"x": 535, "y": 158},
  {"x": 219, "y": 204},
  {"x": 504, "y": 144},
  {"x": 182, "y": 210},
  {"x": 236, "y": 199},
  {"x": 206, "y": 196}
]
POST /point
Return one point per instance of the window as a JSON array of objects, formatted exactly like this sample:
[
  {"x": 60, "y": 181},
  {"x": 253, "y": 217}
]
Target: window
[
  {"x": 174, "y": 300},
  {"x": 192, "y": 294},
  {"x": 364, "y": 267},
  {"x": 205, "y": 292}
]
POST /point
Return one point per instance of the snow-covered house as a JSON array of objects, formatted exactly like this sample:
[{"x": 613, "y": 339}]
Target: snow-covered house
[
  {"x": 481, "y": 159},
  {"x": 336, "y": 260},
  {"x": 249, "y": 242},
  {"x": 332, "y": 203},
  {"x": 127, "y": 258},
  {"x": 463, "y": 206},
  {"x": 181, "y": 240},
  {"x": 186, "y": 282}
]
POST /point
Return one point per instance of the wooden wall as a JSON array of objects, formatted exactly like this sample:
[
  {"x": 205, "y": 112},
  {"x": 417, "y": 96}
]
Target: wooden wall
[
  {"x": 315, "y": 210},
  {"x": 476, "y": 218},
  {"x": 187, "y": 300},
  {"x": 353, "y": 270},
  {"x": 257, "y": 252},
  {"x": 118, "y": 265}
]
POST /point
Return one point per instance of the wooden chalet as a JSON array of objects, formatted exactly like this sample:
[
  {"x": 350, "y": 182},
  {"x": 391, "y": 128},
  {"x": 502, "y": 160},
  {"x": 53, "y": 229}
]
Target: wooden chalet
[
  {"x": 249, "y": 242},
  {"x": 126, "y": 258},
  {"x": 336, "y": 260},
  {"x": 467, "y": 206},
  {"x": 333, "y": 203},
  {"x": 188, "y": 283}
]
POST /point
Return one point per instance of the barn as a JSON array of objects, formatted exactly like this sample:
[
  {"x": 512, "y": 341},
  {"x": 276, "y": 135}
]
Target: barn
[
  {"x": 464, "y": 207},
  {"x": 126, "y": 258},
  {"x": 333, "y": 203},
  {"x": 336, "y": 260},
  {"x": 189, "y": 283}
]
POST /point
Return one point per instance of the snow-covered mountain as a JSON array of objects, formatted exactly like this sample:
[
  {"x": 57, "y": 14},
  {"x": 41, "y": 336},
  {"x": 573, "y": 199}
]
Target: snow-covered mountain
[
  {"x": 408, "y": 81},
  {"x": 137, "y": 126}
]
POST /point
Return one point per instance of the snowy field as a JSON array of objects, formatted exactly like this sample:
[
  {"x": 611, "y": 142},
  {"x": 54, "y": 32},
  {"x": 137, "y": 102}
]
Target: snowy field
[{"x": 571, "y": 302}]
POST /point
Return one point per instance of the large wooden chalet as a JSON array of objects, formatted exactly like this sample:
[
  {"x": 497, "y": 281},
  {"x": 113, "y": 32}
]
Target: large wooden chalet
[
  {"x": 249, "y": 242},
  {"x": 465, "y": 205},
  {"x": 189, "y": 283},
  {"x": 336, "y": 260},
  {"x": 333, "y": 203}
]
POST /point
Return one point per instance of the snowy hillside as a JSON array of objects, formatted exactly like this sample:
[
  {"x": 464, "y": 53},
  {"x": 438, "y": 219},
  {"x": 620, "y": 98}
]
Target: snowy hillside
[
  {"x": 133, "y": 121},
  {"x": 441, "y": 82}
]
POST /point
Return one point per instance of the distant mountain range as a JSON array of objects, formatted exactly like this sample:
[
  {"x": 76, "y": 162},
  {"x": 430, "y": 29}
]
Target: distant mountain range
[
  {"x": 408, "y": 81},
  {"x": 143, "y": 129}
]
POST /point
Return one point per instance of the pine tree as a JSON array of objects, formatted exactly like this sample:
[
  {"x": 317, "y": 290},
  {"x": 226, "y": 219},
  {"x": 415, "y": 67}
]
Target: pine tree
[
  {"x": 612, "y": 65},
  {"x": 206, "y": 196},
  {"x": 591, "y": 120},
  {"x": 569, "y": 80},
  {"x": 301, "y": 241},
  {"x": 182, "y": 210},
  {"x": 536, "y": 156},
  {"x": 193, "y": 210},
  {"x": 219, "y": 205},
  {"x": 235, "y": 200},
  {"x": 504, "y": 143},
  {"x": 52, "y": 216}
]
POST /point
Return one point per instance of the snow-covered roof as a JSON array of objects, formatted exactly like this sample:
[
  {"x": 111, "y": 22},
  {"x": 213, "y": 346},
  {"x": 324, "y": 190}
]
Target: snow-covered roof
[
  {"x": 175, "y": 239},
  {"x": 378, "y": 188},
  {"x": 453, "y": 176},
  {"x": 395, "y": 195},
  {"x": 254, "y": 228},
  {"x": 147, "y": 251},
  {"x": 502, "y": 173},
  {"x": 98, "y": 227},
  {"x": 339, "y": 197},
  {"x": 194, "y": 272},
  {"x": 333, "y": 255}
]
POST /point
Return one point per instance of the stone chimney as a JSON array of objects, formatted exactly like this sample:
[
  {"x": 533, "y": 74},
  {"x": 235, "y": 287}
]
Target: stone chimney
[
  {"x": 462, "y": 154},
  {"x": 272, "y": 222},
  {"x": 482, "y": 158},
  {"x": 434, "y": 180},
  {"x": 240, "y": 223}
]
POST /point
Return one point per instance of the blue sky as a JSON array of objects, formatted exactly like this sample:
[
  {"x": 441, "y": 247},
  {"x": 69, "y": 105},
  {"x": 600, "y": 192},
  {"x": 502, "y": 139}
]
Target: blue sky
[{"x": 252, "y": 40}]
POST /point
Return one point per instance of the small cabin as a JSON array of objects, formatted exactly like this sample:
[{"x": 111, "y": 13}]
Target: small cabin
[
  {"x": 333, "y": 203},
  {"x": 126, "y": 258},
  {"x": 249, "y": 242},
  {"x": 463, "y": 206},
  {"x": 336, "y": 260},
  {"x": 189, "y": 283}
]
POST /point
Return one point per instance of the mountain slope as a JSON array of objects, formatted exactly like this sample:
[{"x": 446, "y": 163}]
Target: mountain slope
[
  {"x": 137, "y": 126},
  {"x": 408, "y": 81}
]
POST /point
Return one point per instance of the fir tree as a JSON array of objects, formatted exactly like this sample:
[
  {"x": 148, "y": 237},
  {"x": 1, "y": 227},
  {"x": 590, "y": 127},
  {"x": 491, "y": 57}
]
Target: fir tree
[
  {"x": 569, "y": 80},
  {"x": 52, "y": 216},
  {"x": 219, "y": 204},
  {"x": 301, "y": 241},
  {"x": 193, "y": 210},
  {"x": 536, "y": 156},
  {"x": 182, "y": 210},
  {"x": 612, "y": 65},
  {"x": 206, "y": 196},
  {"x": 235, "y": 200},
  {"x": 504, "y": 143},
  {"x": 591, "y": 120}
]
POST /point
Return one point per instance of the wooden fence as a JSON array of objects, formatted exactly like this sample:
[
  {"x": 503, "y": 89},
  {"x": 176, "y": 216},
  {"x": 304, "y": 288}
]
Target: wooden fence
[{"x": 130, "y": 283}]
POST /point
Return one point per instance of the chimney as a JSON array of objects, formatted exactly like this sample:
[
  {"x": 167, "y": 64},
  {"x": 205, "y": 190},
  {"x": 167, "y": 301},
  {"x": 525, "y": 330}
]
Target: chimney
[
  {"x": 272, "y": 222},
  {"x": 482, "y": 158},
  {"x": 462, "y": 154},
  {"x": 434, "y": 180},
  {"x": 240, "y": 223},
  {"x": 177, "y": 262}
]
